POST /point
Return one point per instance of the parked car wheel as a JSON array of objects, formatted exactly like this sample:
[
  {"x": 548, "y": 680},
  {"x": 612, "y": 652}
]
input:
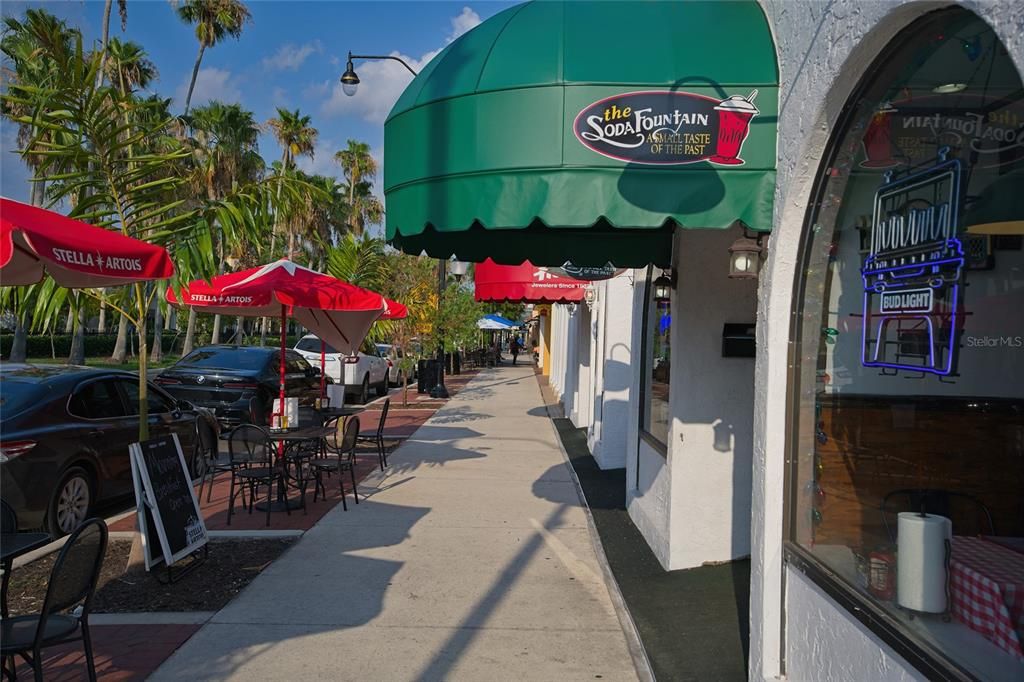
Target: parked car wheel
[
  {"x": 71, "y": 503},
  {"x": 364, "y": 390},
  {"x": 382, "y": 388}
]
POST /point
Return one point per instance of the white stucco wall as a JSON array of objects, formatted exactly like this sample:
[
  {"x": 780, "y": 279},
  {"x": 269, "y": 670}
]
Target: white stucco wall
[
  {"x": 693, "y": 504},
  {"x": 829, "y": 644},
  {"x": 823, "y": 48},
  {"x": 712, "y": 403},
  {"x": 648, "y": 483},
  {"x": 613, "y": 359}
]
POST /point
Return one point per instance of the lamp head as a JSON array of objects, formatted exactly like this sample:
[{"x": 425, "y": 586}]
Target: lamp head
[
  {"x": 458, "y": 268},
  {"x": 663, "y": 286},
  {"x": 349, "y": 79},
  {"x": 744, "y": 258}
]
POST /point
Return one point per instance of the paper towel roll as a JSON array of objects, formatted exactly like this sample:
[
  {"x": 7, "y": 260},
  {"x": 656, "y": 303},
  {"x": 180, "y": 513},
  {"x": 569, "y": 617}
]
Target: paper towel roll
[{"x": 921, "y": 561}]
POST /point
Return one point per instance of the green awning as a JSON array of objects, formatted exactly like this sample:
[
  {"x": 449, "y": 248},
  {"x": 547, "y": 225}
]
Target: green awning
[{"x": 586, "y": 132}]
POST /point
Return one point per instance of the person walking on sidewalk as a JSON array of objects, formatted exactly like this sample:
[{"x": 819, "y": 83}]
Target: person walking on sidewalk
[{"x": 514, "y": 348}]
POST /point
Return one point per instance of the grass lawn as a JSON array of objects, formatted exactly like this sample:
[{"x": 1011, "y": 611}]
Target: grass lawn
[{"x": 131, "y": 365}]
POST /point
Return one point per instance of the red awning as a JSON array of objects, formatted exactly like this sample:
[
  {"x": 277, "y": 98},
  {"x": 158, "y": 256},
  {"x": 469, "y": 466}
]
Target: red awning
[
  {"x": 34, "y": 242},
  {"x": 336, "y": 311},
  {"x": 525, "y": 283}
]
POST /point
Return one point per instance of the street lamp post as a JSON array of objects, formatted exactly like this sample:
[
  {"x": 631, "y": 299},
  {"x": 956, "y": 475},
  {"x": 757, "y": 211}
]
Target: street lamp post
[
  {"x": 349, "y": 85},
  {"x": 439, "y": 390}
]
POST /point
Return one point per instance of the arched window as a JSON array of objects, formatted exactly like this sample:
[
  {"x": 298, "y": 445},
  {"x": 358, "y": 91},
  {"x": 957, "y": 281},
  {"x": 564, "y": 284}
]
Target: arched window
[{"x": 906, "y": 492}]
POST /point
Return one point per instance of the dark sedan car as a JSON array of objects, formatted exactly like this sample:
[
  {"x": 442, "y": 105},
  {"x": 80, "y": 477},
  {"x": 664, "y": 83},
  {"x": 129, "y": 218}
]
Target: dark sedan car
[
  {"x": 64, "y": 437},
  {"x": 230, "y": 379}
]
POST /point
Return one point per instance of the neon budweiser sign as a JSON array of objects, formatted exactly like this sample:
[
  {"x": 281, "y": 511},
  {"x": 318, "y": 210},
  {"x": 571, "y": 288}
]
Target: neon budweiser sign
[{"x": 913, "y": 272}]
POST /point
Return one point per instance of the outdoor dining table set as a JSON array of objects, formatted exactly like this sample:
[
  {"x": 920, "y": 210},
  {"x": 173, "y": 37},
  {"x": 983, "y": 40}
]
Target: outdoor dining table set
[{"x": 289, "y": 459}]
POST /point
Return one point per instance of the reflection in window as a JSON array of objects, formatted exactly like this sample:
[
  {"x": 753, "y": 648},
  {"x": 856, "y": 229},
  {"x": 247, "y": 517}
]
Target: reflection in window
[
  {"x": 657, "y": 358},
  {"x": 911, "y": 350}
]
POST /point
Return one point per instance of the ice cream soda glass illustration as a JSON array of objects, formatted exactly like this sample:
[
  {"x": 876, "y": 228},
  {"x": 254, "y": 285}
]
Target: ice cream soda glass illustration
[{"x": 734, "y": 114}]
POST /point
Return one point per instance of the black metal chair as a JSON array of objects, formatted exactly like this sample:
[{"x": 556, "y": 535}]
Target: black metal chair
[
  {"x": 258, "y": 412},
  {"x": 933, "y": 501},
  {"x": 377, "y": 437},
  {"x": 72, "y": 583},
  {"x": 214, "y": 461},
  {"x": 8, "y": 518},
  {"x": 252, "y": 465},
  {"x": 341, "y": 457}
]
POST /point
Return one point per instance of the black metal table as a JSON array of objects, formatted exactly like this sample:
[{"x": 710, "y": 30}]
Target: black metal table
[
  {"x": 12, "y": 546},
  {"x": 301, "y": 434}
]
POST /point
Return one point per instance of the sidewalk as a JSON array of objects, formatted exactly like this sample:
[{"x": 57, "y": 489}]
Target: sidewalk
[{"x": 470, "y": 559}]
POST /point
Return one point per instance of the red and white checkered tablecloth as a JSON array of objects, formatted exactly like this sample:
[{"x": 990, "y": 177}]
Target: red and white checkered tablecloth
[{"x": 987, "y": 589}]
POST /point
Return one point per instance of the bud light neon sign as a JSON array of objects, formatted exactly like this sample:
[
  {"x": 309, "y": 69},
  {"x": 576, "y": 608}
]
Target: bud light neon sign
[{"x": 913, "y": 272}]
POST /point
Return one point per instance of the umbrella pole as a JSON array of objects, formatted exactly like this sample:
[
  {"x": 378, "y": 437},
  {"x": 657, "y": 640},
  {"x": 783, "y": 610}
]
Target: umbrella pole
[
  {"x": 284, "y": 328},
  {"x": 323, "y": 369}
]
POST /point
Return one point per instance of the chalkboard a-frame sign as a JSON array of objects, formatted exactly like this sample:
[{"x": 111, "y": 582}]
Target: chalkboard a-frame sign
[{"x": 165, "y": 501}]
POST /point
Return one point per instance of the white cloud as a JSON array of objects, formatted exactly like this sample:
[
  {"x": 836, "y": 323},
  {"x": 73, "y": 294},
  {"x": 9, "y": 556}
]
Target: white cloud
[
  {"x": 383, "y": 81},
  {"x": 323, "y": 162},
  {"x": 290, "y": 57},
  {"x": 465, "y": 21},
  {"x": 211, "y": 83},
  {"x": 316, "y": 90}
]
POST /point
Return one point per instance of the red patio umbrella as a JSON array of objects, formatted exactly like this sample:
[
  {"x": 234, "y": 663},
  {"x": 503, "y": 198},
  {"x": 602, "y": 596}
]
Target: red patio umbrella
[
  {"x": 35, "y": 241},
  {"x": 338, "y": 312},
  {"x": 393, "y": 310},
  {"x": 525, "y": 283}
]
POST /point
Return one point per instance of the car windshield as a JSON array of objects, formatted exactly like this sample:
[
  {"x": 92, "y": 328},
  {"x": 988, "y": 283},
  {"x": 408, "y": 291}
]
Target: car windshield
[
  {"x": 311, "y": 344},
  {"x": 384, "y": 349},
  {"x": 226, "y": 358},
  {"x": 17, "y": 394}
]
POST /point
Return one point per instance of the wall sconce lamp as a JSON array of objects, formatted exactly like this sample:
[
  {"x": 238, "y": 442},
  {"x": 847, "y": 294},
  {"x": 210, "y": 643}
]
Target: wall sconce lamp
[
  {"x": 745, "y": 257},
  {"x": 664, "y": 285},
  {"x": 590, "y": 295}
]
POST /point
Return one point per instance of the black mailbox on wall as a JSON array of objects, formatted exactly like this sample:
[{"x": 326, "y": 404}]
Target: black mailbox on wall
[{"x": 738, "y": 340}]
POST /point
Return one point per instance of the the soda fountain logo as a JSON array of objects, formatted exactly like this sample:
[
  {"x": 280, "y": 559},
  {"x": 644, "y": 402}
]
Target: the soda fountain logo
[{"x": 665, "y": 127}]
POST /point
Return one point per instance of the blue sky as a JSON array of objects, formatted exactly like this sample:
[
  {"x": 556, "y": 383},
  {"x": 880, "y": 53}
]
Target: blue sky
[{"x": 291, "y": 55}]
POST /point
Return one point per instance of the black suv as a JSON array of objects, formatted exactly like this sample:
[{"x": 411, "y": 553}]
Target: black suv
[{"x": 239, "y": 383}]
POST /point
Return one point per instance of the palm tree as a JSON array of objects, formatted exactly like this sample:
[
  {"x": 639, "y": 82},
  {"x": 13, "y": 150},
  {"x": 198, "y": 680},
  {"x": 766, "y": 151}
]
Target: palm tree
[
  {"x": 128, "y": 69},
  {"x": 226, "y": 150},
  {"x": 122, "y": 9},
  {"x": 358, "y": 166},
  {"x": 34, "y": 48},
  {"x": 363, "y": 207},
  {"x": 214, "y": 20}
]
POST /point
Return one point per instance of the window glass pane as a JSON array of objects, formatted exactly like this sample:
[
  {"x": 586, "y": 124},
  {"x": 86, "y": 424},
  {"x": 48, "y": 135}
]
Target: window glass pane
[
  {"x": 96, "y": 400},
  {"x": 311, "y": 344},
  {"x": 226, "y": 357},
  {"x": 156, "y": 402},
  {"x": 911, "y": 348},
  {"x": 657, "y": 363}
]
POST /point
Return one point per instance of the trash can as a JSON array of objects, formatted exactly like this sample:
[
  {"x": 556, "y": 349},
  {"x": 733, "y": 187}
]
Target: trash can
[
  {"x": 428, "y": 376},
  {"x": 456, "y": 362},
  {"x": 421, "y": 374}
]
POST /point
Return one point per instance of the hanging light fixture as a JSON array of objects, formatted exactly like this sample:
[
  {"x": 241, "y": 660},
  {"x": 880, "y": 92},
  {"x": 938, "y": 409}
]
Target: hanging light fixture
[
  {"x": 745, "y": 258},
  {"x": 458, "y": 268},
  {"x": 663, "y": 286},
  {"x": 590, "y": 295},
  {"x": 349, "y": 79}
]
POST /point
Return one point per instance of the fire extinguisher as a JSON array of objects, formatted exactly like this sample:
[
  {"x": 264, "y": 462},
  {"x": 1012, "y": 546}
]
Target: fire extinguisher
[{"x": 882, "y": 574}]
